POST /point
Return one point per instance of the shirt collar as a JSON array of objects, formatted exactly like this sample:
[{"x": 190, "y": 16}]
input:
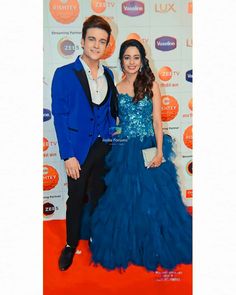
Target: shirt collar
[{"x": 88, "y": 71}]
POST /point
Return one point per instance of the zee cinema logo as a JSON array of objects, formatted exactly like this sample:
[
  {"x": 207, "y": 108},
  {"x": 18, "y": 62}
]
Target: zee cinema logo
[
  {"x": 166, "y": 43},
  {"x": 64, "y": 11},
  {"x": 132, "y": 8}
]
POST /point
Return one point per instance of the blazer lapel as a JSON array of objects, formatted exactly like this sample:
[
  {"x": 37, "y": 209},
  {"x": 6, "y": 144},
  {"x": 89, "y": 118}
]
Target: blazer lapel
[{"x": 81, "y": 75}]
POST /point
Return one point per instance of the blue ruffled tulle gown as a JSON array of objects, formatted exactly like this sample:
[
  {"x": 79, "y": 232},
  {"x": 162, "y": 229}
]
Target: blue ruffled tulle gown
[{"x": 141, "y": 218}]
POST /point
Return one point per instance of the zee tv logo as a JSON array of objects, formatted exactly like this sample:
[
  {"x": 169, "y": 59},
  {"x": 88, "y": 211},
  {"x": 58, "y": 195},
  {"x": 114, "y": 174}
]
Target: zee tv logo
[{"x": 100, "y": 6}]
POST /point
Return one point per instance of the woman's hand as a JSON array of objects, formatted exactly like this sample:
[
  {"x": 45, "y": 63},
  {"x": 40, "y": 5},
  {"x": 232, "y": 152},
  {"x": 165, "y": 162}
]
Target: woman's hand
[{"x": 156, "y": 161}]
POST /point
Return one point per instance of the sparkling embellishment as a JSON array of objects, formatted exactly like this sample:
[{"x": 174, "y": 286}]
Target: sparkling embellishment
[{"x": 135, "y": 118}]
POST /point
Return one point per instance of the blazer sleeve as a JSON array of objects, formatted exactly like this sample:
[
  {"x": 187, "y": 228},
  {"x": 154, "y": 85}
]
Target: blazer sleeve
[{"x": 60, "y": 111}]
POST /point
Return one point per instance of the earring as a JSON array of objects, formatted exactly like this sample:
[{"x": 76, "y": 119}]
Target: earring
[{"x": 140, "y": 69}]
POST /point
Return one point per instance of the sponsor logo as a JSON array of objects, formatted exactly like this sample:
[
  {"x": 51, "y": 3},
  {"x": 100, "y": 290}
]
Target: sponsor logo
[
  {"x": 190, "y": 7},
  {"x": 50, "y": 177},
  {"x": 137, "y": 37},
  {"x": 165, "y": 8},
  {"x": 132, "y": 8},
  {"x": 64, "y": 11},
  {"x": 45, "y": 144},
  {"x": 66, "y": 47},
  {"x": 48, "y": 209},
  {"x": 188, "y": 137},
  {"x": 169, "y": 108},
  {"x": 189, "y": 193},
  {"x": 110, "y": 48},
  {"x": 165, "y": 73},
  {"x": 189, "y": 42},
  {"x": 100, "y": 6},
  {"x": 46, "y": 115},
  {"x": 190, "y": 209},
  {"x": 190, "y": 104},
  {"x": 165, "y": 43},
  {"x": 189, "y": 76},
  {"x": 189, "y": 168}
]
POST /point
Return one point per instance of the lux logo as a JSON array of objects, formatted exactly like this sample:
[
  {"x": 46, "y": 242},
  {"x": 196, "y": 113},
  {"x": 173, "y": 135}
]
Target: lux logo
[{"x": 164, "y": 8}]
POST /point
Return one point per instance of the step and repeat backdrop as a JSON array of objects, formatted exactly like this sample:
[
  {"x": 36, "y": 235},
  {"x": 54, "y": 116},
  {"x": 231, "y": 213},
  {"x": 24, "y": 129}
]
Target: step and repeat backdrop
[{"x": 165, "y": 29}]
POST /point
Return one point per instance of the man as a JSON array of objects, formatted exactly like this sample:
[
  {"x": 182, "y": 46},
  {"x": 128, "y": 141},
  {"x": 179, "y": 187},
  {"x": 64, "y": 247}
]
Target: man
[{"x": 84, "y": 110}]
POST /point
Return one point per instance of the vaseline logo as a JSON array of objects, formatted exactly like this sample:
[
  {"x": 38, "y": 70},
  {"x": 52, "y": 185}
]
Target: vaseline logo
[
  {"x": 45, "y": 144},
  {"x": 133, "y": 8},
  {"x": 66, "y": 47},
  {"x": 50, "y": 177},
  {"x": 165, "y": 73},
  {"x": 189, "y": 168},
  {"x": 189, "y": 76},
  {"x": 165, "y": 43},
  {"x": 169, "y": 108},
  {"x": 110, "y": 48},
  {"x": 64, "y": 11},
  {"x": 48, "y": 209},
  {"x": 188, "y": 137},
  {"x": 46, "y": 115}
]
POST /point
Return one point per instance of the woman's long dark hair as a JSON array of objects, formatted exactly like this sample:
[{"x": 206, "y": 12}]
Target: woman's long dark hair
[{"x": 144, "y": 80}]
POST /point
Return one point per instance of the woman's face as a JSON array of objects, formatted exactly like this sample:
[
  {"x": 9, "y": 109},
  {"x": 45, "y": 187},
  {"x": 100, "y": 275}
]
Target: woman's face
[{"x": 131, "y": 60}]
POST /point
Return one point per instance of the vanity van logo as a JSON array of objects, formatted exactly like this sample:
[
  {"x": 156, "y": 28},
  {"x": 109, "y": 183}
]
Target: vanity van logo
[
  {"x": 50, "y": 177},
  {"x": 165, "y": 7},
  {"x": 169, "y": 108},
  {"x": 64, "y": 11},
  {"x": 66, "y": 47},
  {"x": 190, "y": 104},
  {"x": 100, "y": 6},
  {"x": 189, "y": 76},
  {"x": 189, "y": 167},
  {"x": 132, "y": 8},
  {"x": 110, "y": 48},
  {"x": 166, "y": 43},
  {"x": 190, "y": 7},
  {"x": 48, "y": 209},
  {"x": 46, "y": 115},
  {"x": 188, "y": 137}
]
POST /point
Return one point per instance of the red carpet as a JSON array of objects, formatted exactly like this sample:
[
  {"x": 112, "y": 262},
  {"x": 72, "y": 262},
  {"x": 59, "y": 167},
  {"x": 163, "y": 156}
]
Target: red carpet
[{"x": 84, "y": 278}]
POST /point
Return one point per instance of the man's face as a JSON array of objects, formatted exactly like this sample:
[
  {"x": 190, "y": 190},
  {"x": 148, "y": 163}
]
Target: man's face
[{"x": 95, "y": 43}]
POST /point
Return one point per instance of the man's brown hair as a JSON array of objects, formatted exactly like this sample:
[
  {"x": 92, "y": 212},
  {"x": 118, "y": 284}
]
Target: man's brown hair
[{"x": 96, "y": 21}]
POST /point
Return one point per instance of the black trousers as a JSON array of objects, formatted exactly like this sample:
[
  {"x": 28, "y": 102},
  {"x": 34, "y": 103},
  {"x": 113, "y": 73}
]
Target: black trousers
[{"x": 92, "y": 172}]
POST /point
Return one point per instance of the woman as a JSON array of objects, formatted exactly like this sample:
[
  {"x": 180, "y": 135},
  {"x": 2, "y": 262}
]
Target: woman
[{"x": 141, "y": 218}]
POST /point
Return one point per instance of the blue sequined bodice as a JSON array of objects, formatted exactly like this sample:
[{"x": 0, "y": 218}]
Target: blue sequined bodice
[{"x": 135, "y": 118}]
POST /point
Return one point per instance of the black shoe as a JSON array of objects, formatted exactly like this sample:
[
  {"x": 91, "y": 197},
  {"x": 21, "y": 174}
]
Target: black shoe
[{"x": 66, "y": 258}]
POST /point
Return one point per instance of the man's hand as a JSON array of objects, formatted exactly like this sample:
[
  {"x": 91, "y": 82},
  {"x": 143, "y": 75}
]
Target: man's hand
[{"x": 72, "y": 168}]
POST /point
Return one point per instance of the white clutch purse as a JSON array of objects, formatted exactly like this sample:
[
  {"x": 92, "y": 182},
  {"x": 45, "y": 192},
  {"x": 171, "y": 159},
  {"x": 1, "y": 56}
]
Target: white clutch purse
[{"x": 149, "y": 154}]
